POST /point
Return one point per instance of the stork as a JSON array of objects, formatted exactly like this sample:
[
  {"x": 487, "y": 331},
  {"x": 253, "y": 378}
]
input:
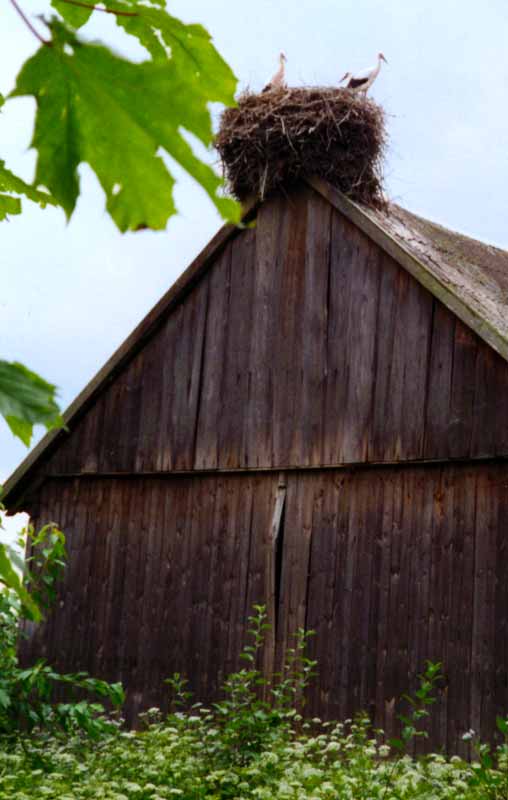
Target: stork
[
  {"x": 363, "y": 80},
  {"x": 279, "y": 79}
]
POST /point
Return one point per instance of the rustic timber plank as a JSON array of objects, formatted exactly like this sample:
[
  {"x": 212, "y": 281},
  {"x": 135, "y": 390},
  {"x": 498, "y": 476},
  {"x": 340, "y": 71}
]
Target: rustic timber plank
[
  {"x": 232, "y": 450},
  {"x": 342, "y": 248},
  {"x": 312, "y": 323},
  {"x": 210, "y": 404},
  {"x": 439, "y": 383},
  {"x": 257, "y": 434}
]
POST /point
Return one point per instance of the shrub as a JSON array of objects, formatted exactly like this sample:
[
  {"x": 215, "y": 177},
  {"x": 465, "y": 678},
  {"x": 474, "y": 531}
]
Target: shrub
[
  {"x": 26, "y": 695},
  {"x": 252, "y": 745}
]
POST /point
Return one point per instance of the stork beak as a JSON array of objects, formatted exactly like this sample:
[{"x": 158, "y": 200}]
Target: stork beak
[
  {"x": 344, "y": 77},
  {"x": 384, "y": 59}
]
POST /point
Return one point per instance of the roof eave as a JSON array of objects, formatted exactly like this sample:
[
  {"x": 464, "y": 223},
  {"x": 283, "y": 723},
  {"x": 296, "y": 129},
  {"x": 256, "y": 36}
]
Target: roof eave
[{"x": 374, "y": 229}]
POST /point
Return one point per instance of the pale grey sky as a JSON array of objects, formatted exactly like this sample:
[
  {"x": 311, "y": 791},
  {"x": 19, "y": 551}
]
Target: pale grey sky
[{"x": 72, "y": 293}]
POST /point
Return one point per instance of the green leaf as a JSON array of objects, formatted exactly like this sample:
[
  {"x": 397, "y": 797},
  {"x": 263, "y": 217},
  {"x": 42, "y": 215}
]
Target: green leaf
[
  {"x": 98, "y": 108},
  {"x": 11, "y": 185},
  {"x": 26, "y": 400},
  {"x": 5, "y": 700},
  {"x": 191, "y": 51},
  {"x": 76, "y": 16},
  {"x": 11, "y": 580},
  {"x": 9, "y": 205}
]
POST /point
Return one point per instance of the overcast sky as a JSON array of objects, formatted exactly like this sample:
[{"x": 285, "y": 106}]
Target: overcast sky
[{"x": 71, "y": 293}]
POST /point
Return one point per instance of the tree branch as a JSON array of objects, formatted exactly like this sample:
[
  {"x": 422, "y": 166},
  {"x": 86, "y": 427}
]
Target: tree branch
[
  {"x": 104, "y": 10},
  {"x": 29, "y": 25}
]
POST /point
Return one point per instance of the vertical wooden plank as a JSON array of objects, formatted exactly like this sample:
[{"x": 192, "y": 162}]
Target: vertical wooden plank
[
  {"x": 308, "y": 435},
  {"x": 462, "y": 391},
  {"x": 385, "y": 694},
  {"x": 404, "y": 326},
  {"x": 210, "y": 404},
  {"x": 328, "y": 561},
  {"x": 181, "y": 366},
  {"x": 420, "y": 603},
  {"x": 233, "y": 451},
  {"x": 271, "y": 241},
  {"x": 316, "y": 592},
  {"x": 287, "y": 352},
  {"x": 338, "y": 654},
  {"x": 500, "y": 694},
  {"x": 94, "y": 600},
  {"x": 151, "y": 405},
  {"x": 458, "y": 666},
  {"x": 439, "y": 383},
  {"x": 360, "y": 348},
  {"x": 272, "y": 591},
  {"x": 203, "y": 504},
  {"x": 484, "y": 620},
  {"x": 441, "y": 590},
  {"x": 351, "y": 336},
  {"x": 128, "y": 607},
  {"x": 490, "y": 419},
  {"x": 338, "y": 303},
  {"x": 239, "y": 568},
  {"x": 177, "y": 516},
  {"x": 112, "y": 424},
  {"x": 295, "y": 559}
]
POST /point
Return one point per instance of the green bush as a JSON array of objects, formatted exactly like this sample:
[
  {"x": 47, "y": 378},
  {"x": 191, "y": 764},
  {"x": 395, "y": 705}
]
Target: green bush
[
  {"x": 253, "y": 745},
  {"x": 27, "y": 695}
]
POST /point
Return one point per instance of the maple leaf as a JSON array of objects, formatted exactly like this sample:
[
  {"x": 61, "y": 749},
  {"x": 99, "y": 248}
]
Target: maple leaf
[
  {"x": 12, "y": 187},
  {"x": 26, "y": 400},
  {"x": 116, "y": 115}
]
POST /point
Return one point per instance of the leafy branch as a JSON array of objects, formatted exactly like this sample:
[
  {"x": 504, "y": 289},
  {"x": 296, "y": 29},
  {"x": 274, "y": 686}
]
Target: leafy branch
[{"x": 121, "y": 118}]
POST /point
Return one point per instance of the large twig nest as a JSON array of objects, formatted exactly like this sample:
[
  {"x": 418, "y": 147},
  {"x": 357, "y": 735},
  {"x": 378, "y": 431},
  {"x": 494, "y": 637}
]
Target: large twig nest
[{"x": 272, "y": 139}]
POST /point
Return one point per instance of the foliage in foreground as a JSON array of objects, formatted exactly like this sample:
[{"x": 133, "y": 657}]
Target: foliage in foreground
[
  {"x": 27, "y": 695},
  {"x": 252, "y": 745},
  {"x": 118, "y": 116}
]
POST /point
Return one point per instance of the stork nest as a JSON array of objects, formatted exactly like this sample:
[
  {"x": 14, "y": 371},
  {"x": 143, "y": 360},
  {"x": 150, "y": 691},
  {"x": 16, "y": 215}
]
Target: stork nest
[{"x": 273, "y": 139}]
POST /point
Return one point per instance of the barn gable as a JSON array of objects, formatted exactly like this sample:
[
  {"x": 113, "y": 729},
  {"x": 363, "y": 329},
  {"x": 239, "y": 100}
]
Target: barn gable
[
  {"x": 304, "y": 341},
  {"x": 314, "y": 417}
]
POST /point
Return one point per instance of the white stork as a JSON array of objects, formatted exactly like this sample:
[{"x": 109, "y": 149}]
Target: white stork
[
  {"x": 363, "y": 80},
  {"x": 279, "y": 79}
]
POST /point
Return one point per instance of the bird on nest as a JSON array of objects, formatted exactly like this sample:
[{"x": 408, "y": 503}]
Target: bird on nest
[
  {"x": 279, "y": 79},
  {"x": 362, "y": 82}
]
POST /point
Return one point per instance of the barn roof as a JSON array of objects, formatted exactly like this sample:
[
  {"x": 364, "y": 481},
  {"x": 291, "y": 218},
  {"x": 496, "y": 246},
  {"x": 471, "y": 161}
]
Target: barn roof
[{"x": 467, "y": 276}]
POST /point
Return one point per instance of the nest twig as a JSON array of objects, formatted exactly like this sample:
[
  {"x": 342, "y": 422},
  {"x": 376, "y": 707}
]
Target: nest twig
[{"x": 275, "y": 138}]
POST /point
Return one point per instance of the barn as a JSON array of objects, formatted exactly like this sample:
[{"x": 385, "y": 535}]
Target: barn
[{"x": 315, "y": 416}]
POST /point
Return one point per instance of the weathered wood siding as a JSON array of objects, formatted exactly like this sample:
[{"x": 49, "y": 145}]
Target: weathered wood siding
[
  {"x": 301, "y": 349},
  {"x": 303, "y": 344},
  {"x": 389, "y": 565},
  {"x": 162, "y": 576},
  {"x": 393, "y": 566}
]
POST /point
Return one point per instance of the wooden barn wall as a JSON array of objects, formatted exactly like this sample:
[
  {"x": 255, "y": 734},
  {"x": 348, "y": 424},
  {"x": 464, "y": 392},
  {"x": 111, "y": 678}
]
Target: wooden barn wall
[
  {"x": 161, "y": 577},
  {"x": 304, "y": 344},
  {"x": 389, "y": 565}
]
